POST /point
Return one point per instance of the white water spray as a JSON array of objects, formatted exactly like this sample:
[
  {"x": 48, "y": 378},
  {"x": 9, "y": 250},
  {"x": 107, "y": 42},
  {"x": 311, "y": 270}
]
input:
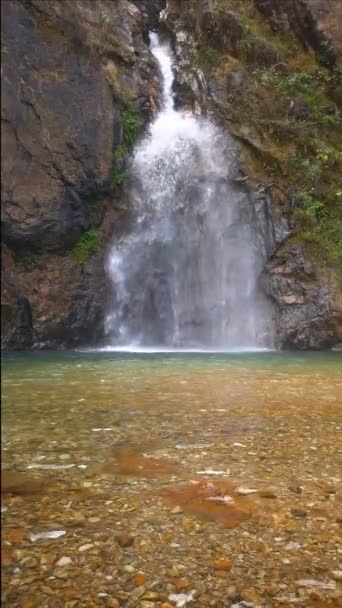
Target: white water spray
[{"x": 186, "y": 276}]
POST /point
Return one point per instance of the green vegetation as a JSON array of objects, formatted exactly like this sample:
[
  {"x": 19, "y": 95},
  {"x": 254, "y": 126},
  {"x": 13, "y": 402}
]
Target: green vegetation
[
  {"x": 207, "y": 56},
  {"x": 287, "y": 118},
  {"x": 119, "y": 175},
  {"x": 107, "y": 21},
  {"x": 87, "y": 244},
  {"x": 319, "y": 221},
  {"x": 130, "y": 122},
  {"x": 26, "y": 258},
  {"x": 93, "y": 208},
  {"x": 119, "y": 168}
]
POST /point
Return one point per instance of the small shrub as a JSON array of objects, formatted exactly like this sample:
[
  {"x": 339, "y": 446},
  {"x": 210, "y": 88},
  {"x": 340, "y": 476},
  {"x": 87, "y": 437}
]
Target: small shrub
[
  {"x": 87, "y": 244},
  {"x": 119, "y": 175},
  {"x": 130, "y": 121}
]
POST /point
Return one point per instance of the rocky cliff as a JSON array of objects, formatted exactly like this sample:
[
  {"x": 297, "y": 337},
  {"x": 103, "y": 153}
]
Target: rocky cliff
[{"x": 80, "y": 84}]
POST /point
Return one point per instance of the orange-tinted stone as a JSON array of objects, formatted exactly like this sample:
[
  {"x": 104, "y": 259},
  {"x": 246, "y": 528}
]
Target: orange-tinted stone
[
  {"x": 28, "y": 603},
  {"x": 181, "y": 583},
  {"x": 5, "y": 558},
  {"x": 222, "y": 564},
  {"x": 14, "y": 535},
  {"x": 139, "y": 580},
  {"x": 206, "y": 501}
]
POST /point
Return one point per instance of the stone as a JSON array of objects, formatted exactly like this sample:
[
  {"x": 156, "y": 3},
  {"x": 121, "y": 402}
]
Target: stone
[
  {"x": 64, "y": 561},
  {"x": 125, "y": 539},
  {"x": 113, "y": 603},
  {"x": 267, "y": 494},
  {"x": 222, "y": 564},
  {"x": 242, "y": 491},
  {"x": 85, "y": 547},
  {"x": 139, "y": 580},
  {"x": 299, "y": 512},
  {"x": 15, "y": 535}
]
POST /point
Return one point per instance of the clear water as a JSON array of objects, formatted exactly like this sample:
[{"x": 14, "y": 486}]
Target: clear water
[
  {"x": 63, "y": 396},
  {"x": 99, "y": 444},
  {"x": 186, "y": 275}
]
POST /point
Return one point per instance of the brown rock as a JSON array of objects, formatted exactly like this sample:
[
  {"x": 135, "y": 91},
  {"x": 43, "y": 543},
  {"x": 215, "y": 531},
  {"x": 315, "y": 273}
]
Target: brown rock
[
  {"x": 14, "y": 535},
  {"x": 267, "y": 494},
  {"x": 222, "y": 564},
  {"x": 299, "y": 513},
  {"x": 6, "y": 558},
  {"x": 113, "y": 603},
  {"x": 28, "y": 603},
  {"x": 125, "y": 539},
  {"x": 139, "y": 580}
]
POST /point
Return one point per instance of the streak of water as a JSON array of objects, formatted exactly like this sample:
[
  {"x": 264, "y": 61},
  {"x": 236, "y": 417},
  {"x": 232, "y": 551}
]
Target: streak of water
[{"x": 186, "y": 275}]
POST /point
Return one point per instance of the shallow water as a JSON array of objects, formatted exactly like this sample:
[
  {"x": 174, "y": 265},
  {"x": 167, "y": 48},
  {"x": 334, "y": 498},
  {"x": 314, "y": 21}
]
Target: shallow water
[{"x": 101, "y": 444}]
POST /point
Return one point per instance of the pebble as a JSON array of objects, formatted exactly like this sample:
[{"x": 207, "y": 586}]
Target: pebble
[
  {"x": 64, "y": 561},
  {"x": 299, "y": 513},
  {"x": 268, "y": 494},
  {"x": 139, "y": 580},
  {"x": 85, "y": 547},
  {"x": 181, "y": 599},
  {"x": 242, "y": 491},
  {"x": 309, "y": 582},
  {"x": 337, "y": 575},
  {"x": 292, "y": 546},
  {"x": 125, "y": 539},
  {"x": 54, "y": 534},
  {"x": 222, "y": 564},
  {"x": 112, "y": 603}
]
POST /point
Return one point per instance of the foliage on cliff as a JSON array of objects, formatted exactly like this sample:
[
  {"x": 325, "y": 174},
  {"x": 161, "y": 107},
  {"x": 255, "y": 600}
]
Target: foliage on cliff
[{"x": 282, "y": 98}]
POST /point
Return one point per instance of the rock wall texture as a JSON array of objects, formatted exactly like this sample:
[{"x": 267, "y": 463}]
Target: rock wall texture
[
  {"x": 244, "y": 64},
  {"x": 69, "y": 71},
  {"x": 79, "y": 85}
]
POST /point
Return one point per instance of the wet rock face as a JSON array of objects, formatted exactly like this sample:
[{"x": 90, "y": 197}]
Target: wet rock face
[
  {"x": 309, "y": 309},
  {"x": 67, "y": 69}
]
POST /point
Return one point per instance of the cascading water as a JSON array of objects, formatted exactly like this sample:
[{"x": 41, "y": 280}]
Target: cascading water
[{"x": 186, "y": 276}]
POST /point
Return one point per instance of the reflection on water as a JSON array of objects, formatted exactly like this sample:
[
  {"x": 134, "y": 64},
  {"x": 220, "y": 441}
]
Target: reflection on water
[{"x": 196, "y": 458}]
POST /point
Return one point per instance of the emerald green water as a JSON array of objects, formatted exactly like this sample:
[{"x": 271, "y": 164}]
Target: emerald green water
[{"x": 91, "y": 441}]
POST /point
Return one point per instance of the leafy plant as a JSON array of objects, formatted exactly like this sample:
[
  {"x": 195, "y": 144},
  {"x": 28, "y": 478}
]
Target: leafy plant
[
  {"x": 87, "y": 244},
  {"x": 319, "y": 219},
  {"x": 130, "y": 121},
  {"x": 119, "y": 175}
]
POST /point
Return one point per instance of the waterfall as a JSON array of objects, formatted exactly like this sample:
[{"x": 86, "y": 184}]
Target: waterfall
[{"x": 186, "y": 275}]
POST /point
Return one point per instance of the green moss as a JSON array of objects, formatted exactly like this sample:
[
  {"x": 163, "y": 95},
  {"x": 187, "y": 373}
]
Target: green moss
[{"x": 87, "y": 244}]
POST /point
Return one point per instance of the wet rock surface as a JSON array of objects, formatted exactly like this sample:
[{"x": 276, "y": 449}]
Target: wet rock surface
[{"x": 246, "y": 514}]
